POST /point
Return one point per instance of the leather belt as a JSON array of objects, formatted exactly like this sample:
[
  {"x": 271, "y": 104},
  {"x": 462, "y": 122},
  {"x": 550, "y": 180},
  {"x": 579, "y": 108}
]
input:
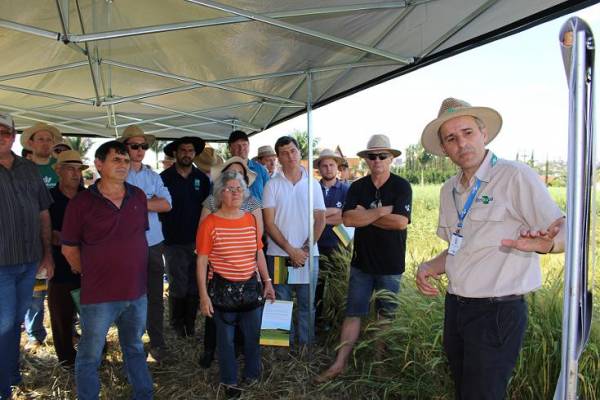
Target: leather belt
[{"x": 486, "y": 300}]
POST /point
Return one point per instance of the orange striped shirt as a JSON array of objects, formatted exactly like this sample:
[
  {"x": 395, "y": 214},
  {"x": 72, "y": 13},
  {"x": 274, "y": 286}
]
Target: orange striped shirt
[{"x": 230, "y": 244}]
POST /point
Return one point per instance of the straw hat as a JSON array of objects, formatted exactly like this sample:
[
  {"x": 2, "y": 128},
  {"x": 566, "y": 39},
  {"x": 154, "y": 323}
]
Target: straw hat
[
  {"x": 40, "y": 126},
  {"x": 136, "y": 131},
  {"x": 452, "y": 108},
  {"x": 327, "y": 153},
  {"x": 217, "y": 170},
  {"x": 207, "y": 159},
  {"x": 70, "y": 157},
  {"x": 197, "y": 142},
  {"x": 378, "y": 143}
]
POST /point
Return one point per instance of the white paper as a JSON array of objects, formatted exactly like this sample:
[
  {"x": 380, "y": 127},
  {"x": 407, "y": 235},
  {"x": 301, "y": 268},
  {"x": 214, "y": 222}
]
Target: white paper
[
  {"x": 299, "y": 275},
  {"x": 277, "y": 315}
]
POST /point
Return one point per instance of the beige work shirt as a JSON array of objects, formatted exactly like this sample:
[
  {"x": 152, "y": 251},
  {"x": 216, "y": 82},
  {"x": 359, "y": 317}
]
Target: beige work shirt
[{"x": 511, "y": 198}]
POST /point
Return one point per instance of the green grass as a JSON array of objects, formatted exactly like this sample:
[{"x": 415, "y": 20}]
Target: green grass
[{"x": 414, "y": 365}]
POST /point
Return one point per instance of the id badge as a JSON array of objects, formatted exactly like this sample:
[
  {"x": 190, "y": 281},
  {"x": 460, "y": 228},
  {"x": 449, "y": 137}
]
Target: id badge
[{"x": 455, "y": 243}]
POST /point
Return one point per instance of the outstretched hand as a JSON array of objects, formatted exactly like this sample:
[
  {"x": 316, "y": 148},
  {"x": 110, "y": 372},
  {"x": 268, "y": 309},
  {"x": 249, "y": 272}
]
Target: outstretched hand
[{"x": 541, "y": 241}]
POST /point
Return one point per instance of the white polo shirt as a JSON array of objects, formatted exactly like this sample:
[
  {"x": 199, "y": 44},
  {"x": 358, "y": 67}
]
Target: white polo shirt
[{"x": 290, "y": 202}]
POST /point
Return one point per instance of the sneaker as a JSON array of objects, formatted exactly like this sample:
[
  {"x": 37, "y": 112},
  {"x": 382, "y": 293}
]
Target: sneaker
[{"x": 159, "y": 353}]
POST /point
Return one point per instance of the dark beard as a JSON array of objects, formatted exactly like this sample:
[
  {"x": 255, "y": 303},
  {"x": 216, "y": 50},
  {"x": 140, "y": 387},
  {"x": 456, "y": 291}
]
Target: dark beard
[{"x": 184, "y": 163}]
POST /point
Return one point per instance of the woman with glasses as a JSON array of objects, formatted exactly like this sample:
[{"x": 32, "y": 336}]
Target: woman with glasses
[
  {"x": 230, "y": 241},
  {"x": 249, "y": 204}
]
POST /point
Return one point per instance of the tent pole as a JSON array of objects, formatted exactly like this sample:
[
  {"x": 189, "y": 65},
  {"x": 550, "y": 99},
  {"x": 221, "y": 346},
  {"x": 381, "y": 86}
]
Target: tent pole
[
  {"x": 577, "y": 45},
  {"x": 311, "y": 206}
]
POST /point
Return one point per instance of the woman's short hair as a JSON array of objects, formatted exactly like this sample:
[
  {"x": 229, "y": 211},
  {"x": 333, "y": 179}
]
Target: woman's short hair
[
  {"x": 221, "y": 183},
  {"x": 245, "y": 168}
]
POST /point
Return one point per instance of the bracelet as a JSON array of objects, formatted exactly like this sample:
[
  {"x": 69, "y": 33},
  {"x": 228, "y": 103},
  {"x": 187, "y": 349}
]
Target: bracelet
[{"x": 267, "y": 280}]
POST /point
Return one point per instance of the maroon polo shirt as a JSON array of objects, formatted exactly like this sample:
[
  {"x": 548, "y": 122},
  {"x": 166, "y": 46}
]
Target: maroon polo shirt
[{"x": 113, "y": 244}]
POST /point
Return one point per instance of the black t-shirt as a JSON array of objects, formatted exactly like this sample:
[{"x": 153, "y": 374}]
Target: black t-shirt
[
  {"x": 180, "y": 224},
  {"x": 380, "y": 251},
  {"x": 62, "y": 269}
]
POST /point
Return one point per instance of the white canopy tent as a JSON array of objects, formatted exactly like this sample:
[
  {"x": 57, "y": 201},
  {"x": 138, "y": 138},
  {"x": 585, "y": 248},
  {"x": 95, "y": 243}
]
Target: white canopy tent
[{"x": 198, "y": 67}]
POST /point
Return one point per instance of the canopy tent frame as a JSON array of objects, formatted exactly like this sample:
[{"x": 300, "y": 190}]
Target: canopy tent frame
[{"x": 276, "y": 107}]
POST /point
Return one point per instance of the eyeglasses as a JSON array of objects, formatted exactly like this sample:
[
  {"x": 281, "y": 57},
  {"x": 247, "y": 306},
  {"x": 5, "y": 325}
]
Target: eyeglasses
[
  {"x": 136, "y": 146},
  {"x": 377, "y": 202},
  {"x": 374, "y": 156},
  {"x": 233, "y": 189}
]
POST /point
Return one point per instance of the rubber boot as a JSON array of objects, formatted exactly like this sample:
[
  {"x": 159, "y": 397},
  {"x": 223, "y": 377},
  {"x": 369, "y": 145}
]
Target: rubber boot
[{"x": 191, "y": 310}]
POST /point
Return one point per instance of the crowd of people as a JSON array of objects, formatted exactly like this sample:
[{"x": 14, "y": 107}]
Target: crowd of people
[{"x": 222, "y": 232}]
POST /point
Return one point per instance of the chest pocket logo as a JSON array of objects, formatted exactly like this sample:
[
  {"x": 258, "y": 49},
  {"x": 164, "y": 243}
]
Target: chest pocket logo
[{"x": 196, "y": 184}]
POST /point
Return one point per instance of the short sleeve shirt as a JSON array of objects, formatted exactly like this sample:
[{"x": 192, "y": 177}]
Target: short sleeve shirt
[
  {"x": 290, "y": 202},
  {"x": 62, "y": 269},
  {"x": 380, "y": 251},
  {"x": 114, "y": 250},
  {"x": 23, "y": 196},
  {"x": 334, "y": 197},
  {"x": 230, "y": 244},
  {"x": 180, "y": 224},
  {"x": 152, "y": 185},
  {"x": 511, "y": 198},
  {"x": 49, "y": 174},
  {"x": 262, "y": 177}
]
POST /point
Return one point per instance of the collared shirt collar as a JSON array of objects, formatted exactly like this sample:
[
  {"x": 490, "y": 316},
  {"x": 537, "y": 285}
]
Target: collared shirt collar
[
  {"x": 94, "y": 189},
  {"x": 336, "y": 185},
  {"x": 483, "y": 173}
]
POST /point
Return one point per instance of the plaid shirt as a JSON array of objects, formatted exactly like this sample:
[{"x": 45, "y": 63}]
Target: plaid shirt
[{"x": 23, "y": 196}]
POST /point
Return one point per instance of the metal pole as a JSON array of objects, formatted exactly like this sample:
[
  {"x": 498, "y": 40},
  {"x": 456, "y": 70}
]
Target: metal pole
[
  {"x": 574, "y": 39},
  {"x": 311, "y": 206}
]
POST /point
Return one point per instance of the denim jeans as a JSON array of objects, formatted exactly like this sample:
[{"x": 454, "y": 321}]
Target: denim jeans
[
  {"x": 360, "y": 289},
  {"x": 482, "y": 341},
  {"x": 34, "y": 318},
  {"x": 249, "y": 323},
  {"x": 96, "y": 319},
  {"x": 16, "y": 287},
  {"x": 305, "y": 310}
]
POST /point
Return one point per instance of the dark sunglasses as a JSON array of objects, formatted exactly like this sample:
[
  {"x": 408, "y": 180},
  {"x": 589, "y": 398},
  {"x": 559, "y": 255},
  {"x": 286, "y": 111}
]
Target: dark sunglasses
[
  {"x": 143, "y": 146},
  {"x": 374, "y": 156}
]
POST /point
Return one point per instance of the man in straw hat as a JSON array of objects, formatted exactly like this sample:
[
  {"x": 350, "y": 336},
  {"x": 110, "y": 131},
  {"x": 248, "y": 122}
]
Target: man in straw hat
[
  {"x": 267, "y": 157},
  {"x": 334, "y": 196},
  {"x": 104, "y": 239},
  {"x": 378, "y": 206},
  {"x": 239, "y": 145},
  {"x": 495, "y": 215},
  {"x": 159, "y": 200},
  {"x": 24, "y": 247},
  {"x": 60, "y": 304},
  {"x": 41, "y": 139},
  {"x": 188, "y": 187}
]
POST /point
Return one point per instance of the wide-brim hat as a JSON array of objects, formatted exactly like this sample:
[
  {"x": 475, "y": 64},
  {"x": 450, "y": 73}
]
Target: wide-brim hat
[
  {"x": 40, "y": 126},
  {"x": 327, "y": 153},
  {"x": 196, "y": 141},
  {"x": 217, "y": 170},
  {"x": 71, "y": 157},
  {"x": 378, "y": 143},
  {"x": 207, "y": 159},
  {"x": 136, "y": 131},
  {"x": 452, "y": 108}
]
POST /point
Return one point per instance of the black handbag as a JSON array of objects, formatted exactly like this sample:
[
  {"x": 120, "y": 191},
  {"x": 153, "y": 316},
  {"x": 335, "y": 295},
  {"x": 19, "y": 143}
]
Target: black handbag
[{"x": 230, "y": 296}]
